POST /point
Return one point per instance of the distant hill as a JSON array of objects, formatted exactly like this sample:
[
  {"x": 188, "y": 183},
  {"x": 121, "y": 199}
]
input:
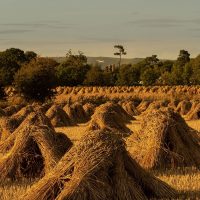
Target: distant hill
[
  {"x": 104, "y": 61},
  {"x": 110, "y": 60},
  {"x": 58, "y": 59}
]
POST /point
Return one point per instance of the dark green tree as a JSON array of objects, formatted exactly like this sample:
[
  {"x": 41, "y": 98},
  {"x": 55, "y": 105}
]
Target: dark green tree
[
  {"x": 8, "y": 68},
  {"x": 75, "y": 59},
  {"x": 15, "y": 55},
  {"x": 165, "y": 79},
  {"x": 95, "y": 77},
  {"x": 71, "y": 75},
  {"x": 180, "y": 72},
  {"x": 110, "y": 78},
  {"x": 187, "y": 73},
  {"x": 166, "y": 66},
  {"x": 183, "y": 58},
  {"x": 195, "y": 65},
  {"x": 152, "y": 60},
  {"x": 128, "y": 75},
  {"x": 149, "y": 76},
  {"x": 30, "y": 55},
  {"x": 10, "y": 62},
  {"x": 72, "y": 71}
]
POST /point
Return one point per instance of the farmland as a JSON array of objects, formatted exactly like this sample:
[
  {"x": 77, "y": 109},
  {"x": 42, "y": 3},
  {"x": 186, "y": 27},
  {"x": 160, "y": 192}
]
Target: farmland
[{"x": 89, "y": 141}]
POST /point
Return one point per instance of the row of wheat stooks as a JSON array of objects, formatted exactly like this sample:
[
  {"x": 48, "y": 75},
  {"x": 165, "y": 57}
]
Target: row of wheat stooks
[{"x": 100, "y": 166}]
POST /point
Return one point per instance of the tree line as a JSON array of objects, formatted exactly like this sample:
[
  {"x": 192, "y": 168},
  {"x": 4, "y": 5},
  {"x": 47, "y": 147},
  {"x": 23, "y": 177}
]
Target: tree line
[{"x": 35, "y": 76}]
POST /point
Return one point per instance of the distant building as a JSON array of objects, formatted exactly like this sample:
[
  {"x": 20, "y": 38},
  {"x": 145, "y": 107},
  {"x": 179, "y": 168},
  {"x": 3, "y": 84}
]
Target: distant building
[{"x": 110, "y": 68}]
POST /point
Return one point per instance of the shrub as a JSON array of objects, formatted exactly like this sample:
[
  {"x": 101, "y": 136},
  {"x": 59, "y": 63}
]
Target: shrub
[{"x": 36, "y": 79}]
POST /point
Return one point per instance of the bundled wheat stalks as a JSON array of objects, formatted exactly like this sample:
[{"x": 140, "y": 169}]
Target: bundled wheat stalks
[
  {"x": 58, "y": 116},
  {"x": 110, "y": 116},
  {"x": 184, "y": 107},
  {"x": 194, "y": 113},
  {"x": 76, "y": 113},
  {"x": 9, "y": 124},
  {"x": 32, "y": 150},
  {"x": 89, "y": 109},
  {"x": 10, "y": 110},
  {"x": 165, "y": 141},
  {"x": 143, "y": 105},
  {"x": 98, "y": 168},
  {"x": 130, "y": 108}
]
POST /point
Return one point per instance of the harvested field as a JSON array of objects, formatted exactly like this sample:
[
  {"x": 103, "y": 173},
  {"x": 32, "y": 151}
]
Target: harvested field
[
  {"x": 127, "y": 93},
  {"x": 73, "y": 147}
]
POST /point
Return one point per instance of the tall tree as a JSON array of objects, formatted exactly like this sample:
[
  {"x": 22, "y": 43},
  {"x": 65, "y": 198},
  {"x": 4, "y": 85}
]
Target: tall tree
[
  {"x": 152, "y": 60},
  {"x": 94, "y": 77},
  {"x": 177, "y": 73},
  {"x": 195, "y": 64},
  {"x": 150, "y": 76},
  {"x": 73, "y": 70},
  {"x": 68, "y": 75},
  {"x": 75, "y": 59},
  {"x": 183, "y": 58},
  {"x": 9, "y": 64},
  {"x": 16, "y": 55},
  {"x": 121, "y": 51},
  {"x": 30, "y": 55},
  {"x": 128, "y": 75}
]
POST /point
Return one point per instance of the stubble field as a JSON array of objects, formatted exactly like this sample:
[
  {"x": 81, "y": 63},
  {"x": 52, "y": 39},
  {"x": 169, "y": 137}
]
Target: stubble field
[{"x": 103, "y": 143}]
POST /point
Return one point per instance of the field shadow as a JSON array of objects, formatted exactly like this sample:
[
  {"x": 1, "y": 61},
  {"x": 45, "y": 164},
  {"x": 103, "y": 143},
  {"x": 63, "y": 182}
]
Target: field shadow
[
  {"x": 189, "y": 195},
  {"x": 179, "y": 171}
]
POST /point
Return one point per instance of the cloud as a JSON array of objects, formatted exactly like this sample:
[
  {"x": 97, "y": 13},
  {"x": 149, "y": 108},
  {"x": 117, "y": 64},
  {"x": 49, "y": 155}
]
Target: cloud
[
  {"x": 164, "y": 22},
  {"x": 93, "y": 39},
  {"x": 195, "y": 21},
  {"x": 14, "y": 31},
  {"x": 195, "y": 29},
  {"x": 135, "y": 13},
  {"x": 42, "y": 24}
]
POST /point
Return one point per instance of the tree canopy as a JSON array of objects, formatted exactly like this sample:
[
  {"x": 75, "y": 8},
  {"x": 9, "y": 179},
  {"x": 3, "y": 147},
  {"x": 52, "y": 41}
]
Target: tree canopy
[
  {"x": 120, "y": 51},
  {"x": 34, "y": 77}
]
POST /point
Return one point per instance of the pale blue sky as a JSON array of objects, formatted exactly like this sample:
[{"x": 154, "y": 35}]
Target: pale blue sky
[{"x": 144, "y": 27}]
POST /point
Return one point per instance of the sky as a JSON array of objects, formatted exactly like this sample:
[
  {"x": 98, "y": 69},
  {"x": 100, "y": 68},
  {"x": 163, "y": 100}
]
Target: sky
[{"x": 143, "y": 27}]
